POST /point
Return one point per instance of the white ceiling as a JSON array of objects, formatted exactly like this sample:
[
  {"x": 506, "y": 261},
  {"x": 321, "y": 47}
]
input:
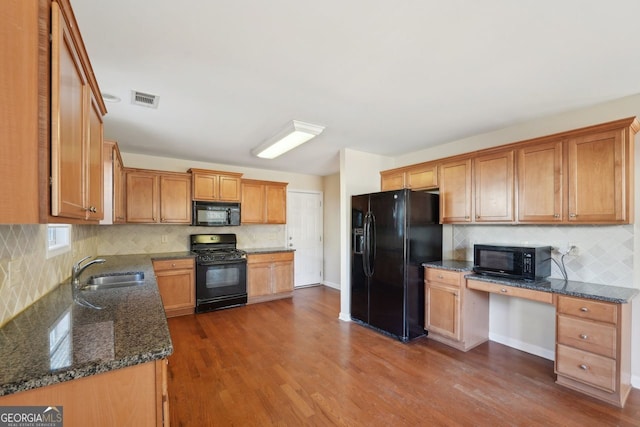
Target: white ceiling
[{"x": 386, "y": 77}]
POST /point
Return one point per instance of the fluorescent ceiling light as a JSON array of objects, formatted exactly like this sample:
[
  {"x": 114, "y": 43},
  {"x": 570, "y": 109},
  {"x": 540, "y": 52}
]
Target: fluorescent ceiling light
[{"x": 294, "y": 134}]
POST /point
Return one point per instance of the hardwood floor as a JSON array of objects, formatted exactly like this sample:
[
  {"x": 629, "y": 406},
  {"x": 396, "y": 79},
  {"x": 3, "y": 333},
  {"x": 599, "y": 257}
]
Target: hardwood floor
[{"x": 292, "y": 363}]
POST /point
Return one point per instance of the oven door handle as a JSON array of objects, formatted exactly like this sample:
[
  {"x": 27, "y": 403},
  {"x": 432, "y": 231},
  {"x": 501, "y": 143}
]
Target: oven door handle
[{"x": 222, "y": 262}]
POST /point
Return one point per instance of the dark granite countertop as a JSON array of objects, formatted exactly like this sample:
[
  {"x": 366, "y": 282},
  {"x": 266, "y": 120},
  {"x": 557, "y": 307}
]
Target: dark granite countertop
[
  {"x": 267, "y": 250},
  {"x": 449, "y": 264},
  {"x": 615, "y": 294},
  {"x": 130, "y": 329}
]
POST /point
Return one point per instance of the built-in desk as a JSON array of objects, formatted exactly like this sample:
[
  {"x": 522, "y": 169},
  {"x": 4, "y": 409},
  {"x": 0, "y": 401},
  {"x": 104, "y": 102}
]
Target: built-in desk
[{"x": 593, "y": 323}]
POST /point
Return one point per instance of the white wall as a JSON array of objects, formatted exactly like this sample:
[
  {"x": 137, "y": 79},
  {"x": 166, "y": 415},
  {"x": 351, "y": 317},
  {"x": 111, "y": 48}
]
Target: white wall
[
  {"x": 331, "y": 220},
  {"x": 359, "y": 174}
]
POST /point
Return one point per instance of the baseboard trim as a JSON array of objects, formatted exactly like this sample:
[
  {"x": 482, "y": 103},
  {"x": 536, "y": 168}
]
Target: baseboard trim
[
  {"x": 331, "y": 285},
  {"x": 523, "y": 346},
  {"x": 345, "y": 317}
]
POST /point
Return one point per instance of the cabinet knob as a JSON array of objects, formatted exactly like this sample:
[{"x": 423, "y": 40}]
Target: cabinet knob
[
  {"x": 477, "y": 216},
  {"x": 583, "y": 367},
  {"x": 466, "y": 217},
  {"x": 440, "y": 276},
  {"x": 556, "y": 215},
  {"x": 503, "y": 290},
  {"x": 173, "y": 264},
  {"x": 584, "y": 309},
  {"x": 290, "y": 244},
  {"x": 584, "y": 336},
  {"x": 572, "y": 215}
]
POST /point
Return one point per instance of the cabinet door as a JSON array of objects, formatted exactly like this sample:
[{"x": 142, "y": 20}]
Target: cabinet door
[
  {"x": 229, "y": 188},
  {"x": 69, "y": 92},
  {"x": 455, "y": 191},
  {"x": 175, "y": 199},
  {"x": 443, "y": 310},
  {"x": 422, "y": 178},
  {"x": 276, "y": 198},
  {"x": 253, "y": 208},
  {"x": 95, "y": 163},
  {"x": 118, "y": 188},
  {"x": 177, "y": 289},
  {"x": 494, "y": 187},
  {"x": 540, "y": 186},
  {"x": 282, "y": 276},
  {"x": 597, "y": 182},
  {"x": 392, "y": 181},
  {"x": 205, "y": 187},
  {"x": 258, "y": 279},
  {"x": 142, "y": 197}
]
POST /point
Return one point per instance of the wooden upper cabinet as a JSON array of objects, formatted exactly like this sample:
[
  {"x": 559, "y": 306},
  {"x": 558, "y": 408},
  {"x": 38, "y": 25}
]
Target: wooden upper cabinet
[
  {"x": 597, "y": 185},
  {"x": 263, "y": 202},
  {"x": 142, "y": 197},
  {"x": 215, "y": 186},
  {"x": 540, "y": 182},
  {"x": 76, "y": 129},
  {"x": 158, "y": 197},
  {"x": 494, "y": 181},
  {"x": 95, "y": 163},
  {"x": 119, "y": 189},
  {"x": 455, "y": 191},
  {"x": 391, "y": 180},
  {"x": 175, "y": 198},
  {"x": 423, "y": 176},
  {"x": 276, "y": 198}
]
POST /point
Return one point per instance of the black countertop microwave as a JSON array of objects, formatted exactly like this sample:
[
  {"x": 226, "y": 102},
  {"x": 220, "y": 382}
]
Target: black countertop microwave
[
  {"x": 513, "y": 261},
  {"x": 215, "y": 214}
]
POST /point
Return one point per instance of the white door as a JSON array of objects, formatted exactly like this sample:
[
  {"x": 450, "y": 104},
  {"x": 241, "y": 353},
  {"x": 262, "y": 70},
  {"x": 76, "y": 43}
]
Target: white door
[{"x": 304, "y": 234}]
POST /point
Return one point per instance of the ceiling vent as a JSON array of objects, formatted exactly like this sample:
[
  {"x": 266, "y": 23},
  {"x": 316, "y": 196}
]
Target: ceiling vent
[{"x": 144, "y": 99}]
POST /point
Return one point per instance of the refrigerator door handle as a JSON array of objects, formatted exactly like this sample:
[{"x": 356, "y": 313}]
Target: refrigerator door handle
[
  {"x": 372, "y": 244},
  {"x": 366, "y": 245}
]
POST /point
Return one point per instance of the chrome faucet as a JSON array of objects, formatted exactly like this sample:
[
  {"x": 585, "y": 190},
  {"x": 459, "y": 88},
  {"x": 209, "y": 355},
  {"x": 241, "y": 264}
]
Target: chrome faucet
[{"x": 77, "y": 270}]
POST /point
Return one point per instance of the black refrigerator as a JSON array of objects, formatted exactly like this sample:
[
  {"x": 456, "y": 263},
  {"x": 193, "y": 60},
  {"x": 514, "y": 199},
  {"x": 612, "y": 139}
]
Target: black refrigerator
[{"x": 392, "y": 234}]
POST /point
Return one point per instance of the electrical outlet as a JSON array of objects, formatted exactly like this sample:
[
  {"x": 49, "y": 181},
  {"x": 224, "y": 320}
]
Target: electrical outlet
[
  {"x": 574, "y": 249},
  {"x": 164, "y": 238}
]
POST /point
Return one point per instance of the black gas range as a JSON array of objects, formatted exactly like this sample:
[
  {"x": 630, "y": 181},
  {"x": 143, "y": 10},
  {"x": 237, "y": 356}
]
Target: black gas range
[{"x": 221, "y": 272}]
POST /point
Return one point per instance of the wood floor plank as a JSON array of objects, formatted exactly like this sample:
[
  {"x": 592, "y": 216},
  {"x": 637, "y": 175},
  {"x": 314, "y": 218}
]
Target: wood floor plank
[{"x": 292, "y": 362}]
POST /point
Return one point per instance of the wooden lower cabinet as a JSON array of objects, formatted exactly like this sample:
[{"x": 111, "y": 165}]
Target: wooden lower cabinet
[
  {"x": 176, "y": 283},
  {"x": 134, "y": 396},
  {"x": 269, "y": 276},
  {"x": 454, "y": 315},
  {"x": 593, "y": 348}
]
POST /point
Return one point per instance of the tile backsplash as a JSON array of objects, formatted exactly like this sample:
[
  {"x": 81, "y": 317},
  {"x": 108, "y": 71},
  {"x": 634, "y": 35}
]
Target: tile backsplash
[
  {"x": 26, "y": 274},
  {"x": 141, "y": 239},
  {"x": 605, "y": 253}
]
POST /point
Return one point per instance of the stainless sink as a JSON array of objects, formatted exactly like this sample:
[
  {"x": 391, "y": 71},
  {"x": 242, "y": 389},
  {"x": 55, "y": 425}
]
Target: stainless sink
[{"x": 113, "y": 280}]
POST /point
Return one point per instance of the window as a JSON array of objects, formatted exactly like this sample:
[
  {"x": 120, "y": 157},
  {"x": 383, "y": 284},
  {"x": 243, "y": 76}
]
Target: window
[{"x": 58, "y": 239}]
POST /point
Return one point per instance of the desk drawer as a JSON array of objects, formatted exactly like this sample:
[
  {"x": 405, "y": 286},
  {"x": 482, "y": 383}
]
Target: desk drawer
[
  {"x": 592, "y": 369},
  {"x": 511, "y": 291},
  {"x": 447, "y": 277},
  {"x": 588, "y": 309},
  {"x": 586, "y": 335}
]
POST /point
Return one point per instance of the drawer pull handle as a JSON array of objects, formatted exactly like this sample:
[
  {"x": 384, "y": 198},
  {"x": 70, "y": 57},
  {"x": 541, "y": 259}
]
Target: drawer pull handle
[
  {"x": 173, "y": 265},
  {"x": 583, "y": 336},
  {"x": 583, "y": 367},
  {"x": 440, "y": 276},
  {"x": 584, "y": 309},
  {"x": 503, "y": 290}
]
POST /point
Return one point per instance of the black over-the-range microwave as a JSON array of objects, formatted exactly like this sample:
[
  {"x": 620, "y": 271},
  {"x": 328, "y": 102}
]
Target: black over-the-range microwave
[
  {"x": 513, "y": 261},
  {"x": 215, "y": 214}
]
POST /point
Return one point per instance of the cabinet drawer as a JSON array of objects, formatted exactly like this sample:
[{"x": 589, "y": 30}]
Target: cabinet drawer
[
  {"x": 592, "y": 369},
  {"x": 587, "y": 335},
  {"x": 270, "y": 257},
  {"x": 588, "y": 309},
  {"x": 173, "y": 264},
  {"x": 443, "y": 276},
  {"x": 511, "y": 291}
]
